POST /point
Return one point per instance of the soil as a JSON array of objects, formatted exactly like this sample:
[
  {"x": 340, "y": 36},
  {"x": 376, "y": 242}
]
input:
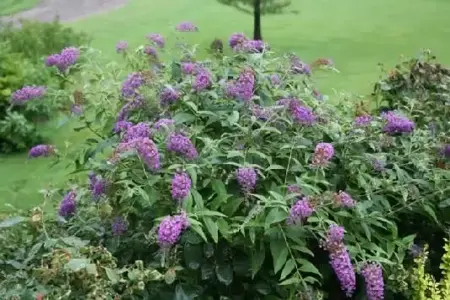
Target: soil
[{"x": 66, "y": 10}]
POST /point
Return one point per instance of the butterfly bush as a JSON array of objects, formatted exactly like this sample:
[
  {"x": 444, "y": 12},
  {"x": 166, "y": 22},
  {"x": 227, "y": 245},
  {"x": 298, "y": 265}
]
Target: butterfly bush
[
  {"x": 121, "y": 46},
  {"x": 63, "y": 60},
  {"x": 228, "y": 171},
  {"x": 41, "y": 150},
  {"x": 27, "y": 93}
]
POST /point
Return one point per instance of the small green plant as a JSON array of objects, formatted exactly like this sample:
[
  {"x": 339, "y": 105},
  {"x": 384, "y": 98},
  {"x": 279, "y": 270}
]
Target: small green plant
[{"x": 424, "y": 285}]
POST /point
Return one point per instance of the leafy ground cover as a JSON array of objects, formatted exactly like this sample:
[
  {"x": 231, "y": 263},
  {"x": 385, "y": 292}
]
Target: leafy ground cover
[
  {"x": 357, "y": 35},
  {"x": 8, "y": 7}
]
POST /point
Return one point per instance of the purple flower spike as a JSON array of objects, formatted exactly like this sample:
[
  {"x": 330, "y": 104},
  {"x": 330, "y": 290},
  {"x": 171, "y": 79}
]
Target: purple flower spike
[
  {"x": 301, "y": 114},
  {"x": 445, "y": 151},
  {"x": 65, "y": 59},
  {"x": 148, "y": 152},
  {"x": 121, "y": 46},
  {"x": 122, "y": 126},
  {"x": 236, "y": 40},
  {"x": 397, "y": 124},
  {"x": 300, "y": 211},
  {"x": 323, "y": 153},
  {"x": 342, "y": 199},
  {"x": 186, "y": 27},
  {"x": 131, "y": 85},
  {"x": 373, "y": 276},
  {"x": 97, "y": 186},
  {"x": 181, "y": 145},
  {"x": 157, "y": 39},
  {"x": 150, "y": 51},
  {"x": 340, "y": 259},
  {"x": 41, "y": 150},
  {"x": 189, "y": 68},
  {"x": 139, "y": 130},
  {"x": 246, "y": 177},
  {"x": 181, "y": 186},
  {"x": 202, "y": 80},
  {"x": 67, "y": 206},
  {"x": 169, "y": 95},
  {"x": 299, "y": 67},
  {"x": 119, "y": 226},
  {"x": 362, "y": 121},
  {"x": 27, "y": 93},
  {"x": 171, "y": 228}
]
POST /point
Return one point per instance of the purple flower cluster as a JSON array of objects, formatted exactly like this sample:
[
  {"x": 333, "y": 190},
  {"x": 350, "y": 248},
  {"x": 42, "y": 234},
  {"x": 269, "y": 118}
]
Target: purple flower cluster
[
  {"x": 67, "y": 206},
  {"x": 323, "y": 153},
  {"x": 181, "y": 186},
  {"x": 97, "y": 185},
  {"x": 373, "y": 276},
  {"x": 121, "y": 46},
  {"x": 301, "y": 114},
  {"x": 397, "y": 124},
  {"x": 242, "y": 88},
  {"x": 445, "y": 151},
  {"x": 202, "y": 80},
  {"x": 145, "y": 148},
  {"x": 252, "y": 46},
  {"x": 189, "y": 68},
  {"x": 275, "y": 79},
  {"x": 300, "y": 211},
  {"x": 299, "y": 67},
  {"x": 379, "y": 165},
  {"x": 236, "y": 40},
  {"x": 186, "y": 27},
  {"x": 119, "y": 226},
  {"x": 294, "y": 189},
  {"x": 181, "y": 145},
  {"x": 65, "y": 59},
  {"x": 342, "y": 199},
  {"x": 169, "y": 95},
  {"x": 130, "y": 106},
  {"x": 41, "y": 150},
  {"x": 340, "y": 259},
  {"x": 362, "y": 121},
  {"x": 122, "y": 126},
  {"x": 261, "y": 112},
  {"x": 163, "y": 123},
  {"x": 131, "y": 84},
  {"x": 157, "y": 39},
  {"x": 246, "y": 177},
  {"x": 171, "y": 228},
  {"x": 150, "y": 51},
  {"x": 139, "y": 130},
  {"x": 27, "y": 93}
]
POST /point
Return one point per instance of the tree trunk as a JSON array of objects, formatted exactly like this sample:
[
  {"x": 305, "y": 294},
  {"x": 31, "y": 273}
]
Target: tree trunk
[{"x": 257, "y": 35}]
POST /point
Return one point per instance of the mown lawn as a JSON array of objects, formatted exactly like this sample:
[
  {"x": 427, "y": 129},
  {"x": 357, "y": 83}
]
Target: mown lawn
[
  {"x": 9, "y": 7},
  {"x": 356, "y": 34}
]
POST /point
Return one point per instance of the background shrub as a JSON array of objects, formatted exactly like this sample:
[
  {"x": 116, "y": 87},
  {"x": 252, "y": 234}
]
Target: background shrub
[{"x": 22, "y": 53}]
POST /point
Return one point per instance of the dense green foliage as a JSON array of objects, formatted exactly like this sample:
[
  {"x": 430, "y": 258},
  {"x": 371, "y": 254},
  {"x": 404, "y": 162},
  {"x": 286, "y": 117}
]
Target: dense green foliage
[
  {"x": 239, "y": 243},
  {"x": 22, "y": 53}
]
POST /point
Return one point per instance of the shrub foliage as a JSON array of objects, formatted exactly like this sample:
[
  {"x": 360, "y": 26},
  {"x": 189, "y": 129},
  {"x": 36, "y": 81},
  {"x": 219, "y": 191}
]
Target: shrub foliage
[{"x": 226, "y": 178}]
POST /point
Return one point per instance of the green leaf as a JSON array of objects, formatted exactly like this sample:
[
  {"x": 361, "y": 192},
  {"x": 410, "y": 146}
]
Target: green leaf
[
  {"x": 274, "y": 216},
  {"x": 224, "y": 274},
  {"x": 257, "y": 258},
  {"x": 445, "y": 203},
  {"x": 77, "y": 264},
  {"x": 234, "y": 117},
  {"x": 219, "y": 187},
  {"x": 180, "y": 294},
  {"x": 212, "y": 228},
  {"x": 207, "y": 271},
  {"x": 170, "y": 276},
  {"x": 290, "y": 281},
  {"x": 12, "y": 221},
  {"x": 197, "y": 199},
  {"x": 193, "y": 255},
  {"x": 74, "y": 242},
  {"x": 193, "y": 175},
  {"x": 279, "y": 254},
  {"x": 91, "y": 269},
  {"x": 181, "y": 118},
  {"x": 307, "y": 266},
  {"x": 112, "y": 275},
  {"x": 431, "y": 212},
  {"x": 288, "y": 267}
]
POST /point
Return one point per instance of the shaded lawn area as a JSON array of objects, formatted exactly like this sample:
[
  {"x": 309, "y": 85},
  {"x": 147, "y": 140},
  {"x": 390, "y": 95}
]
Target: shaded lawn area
[
  {"x": 10, "y": 7},
  {"x": 357, "y": 35}
]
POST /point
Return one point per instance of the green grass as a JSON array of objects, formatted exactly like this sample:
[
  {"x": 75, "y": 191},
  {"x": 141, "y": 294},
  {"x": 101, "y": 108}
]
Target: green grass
[
  {"x": 356, "y": 34},
  {"x": 10, "y": 7}
]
